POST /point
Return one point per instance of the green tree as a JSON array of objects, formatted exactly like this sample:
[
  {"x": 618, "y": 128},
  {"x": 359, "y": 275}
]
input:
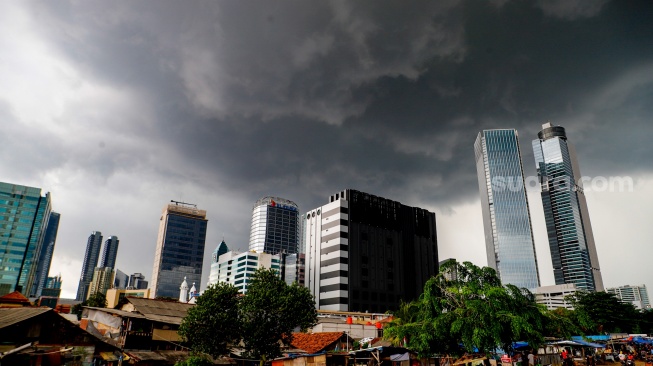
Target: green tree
[
  {"x": 604, "y": 312},
  {"x": 473, "y": 309},
  {"x": 97, "y": 300},
  {"x": 270, "y": 311},
  {"x": 196, "y": 360},
  {"x": 212, "y": 325}
]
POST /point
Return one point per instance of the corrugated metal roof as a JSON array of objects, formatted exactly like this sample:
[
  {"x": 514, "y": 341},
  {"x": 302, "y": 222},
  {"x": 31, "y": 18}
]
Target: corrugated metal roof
[
  {"x": 126, "y": 314},
  {"x": 155, "y": 310},
  {"x": 10, "y": 316},
  {"x": 162, "y": 311}
]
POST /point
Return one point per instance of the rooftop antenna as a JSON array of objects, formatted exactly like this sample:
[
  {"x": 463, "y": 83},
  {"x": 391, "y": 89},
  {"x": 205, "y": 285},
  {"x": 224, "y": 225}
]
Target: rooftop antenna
[{"x": 183, "y": 203}]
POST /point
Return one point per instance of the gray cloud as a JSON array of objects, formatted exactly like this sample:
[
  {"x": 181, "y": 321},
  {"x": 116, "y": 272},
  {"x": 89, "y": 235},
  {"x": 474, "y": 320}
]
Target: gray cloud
[{"x": 220, "y": 103}]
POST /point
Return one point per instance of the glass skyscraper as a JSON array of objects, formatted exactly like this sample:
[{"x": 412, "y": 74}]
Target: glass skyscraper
[
  {"x": 91, "y": 257},
  {"x": 179, "y": 249},
  {"x": 109, "y": 252},
  {"x": 506, "y": 216},
  {"x": 573, "y": 252},
  {"x": 45, "y": 257},
  {"x": 24, "y": 215},
  {"x": 275, "y": 226}
]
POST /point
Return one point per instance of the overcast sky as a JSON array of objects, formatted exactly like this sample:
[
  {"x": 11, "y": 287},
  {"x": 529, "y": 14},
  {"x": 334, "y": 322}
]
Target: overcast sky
[{"x": 118, "y": 107}]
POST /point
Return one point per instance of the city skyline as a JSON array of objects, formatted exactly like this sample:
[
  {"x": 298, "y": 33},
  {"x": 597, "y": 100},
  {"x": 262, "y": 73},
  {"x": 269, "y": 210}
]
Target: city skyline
[{"x": 117, "y": 108}]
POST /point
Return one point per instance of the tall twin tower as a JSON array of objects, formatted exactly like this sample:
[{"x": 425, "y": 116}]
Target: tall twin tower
[{"x": 506, "y": 214}]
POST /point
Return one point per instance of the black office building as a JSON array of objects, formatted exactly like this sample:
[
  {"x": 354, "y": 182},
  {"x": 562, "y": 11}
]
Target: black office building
[{"x": 368, "y": 253}]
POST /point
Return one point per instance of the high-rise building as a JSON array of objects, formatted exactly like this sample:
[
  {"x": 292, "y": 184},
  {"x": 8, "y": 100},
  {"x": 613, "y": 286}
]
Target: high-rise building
[
  {"x": 24, "y": 215},
  {"x": 52, "y": 287},
  {"x": 573, "y": 252},
  {"x": 509, "y": 240},
  {"x": 636, "y": 295},
  {"x": 109, "y": 252},
  {"x": 368, "y": 253},
  {"x": 101, "y": 282},
  {"x": 45, "y": 257},
  {"x": 179, "y": 249},
  {"x": 91, "y": 256},
  {"x": 275, "y": 226}
]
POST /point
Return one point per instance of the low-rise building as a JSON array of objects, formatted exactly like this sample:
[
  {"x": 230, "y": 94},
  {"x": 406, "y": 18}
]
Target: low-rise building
[
  {"x": 114, "y": 295},
  {"x": 139, "y": 324},
  {"x": 636, "y": 295},
  {"x": 40, "y": 336},
  {"x": 554, "y": 296},
  {"x": 237, "y": 268}
]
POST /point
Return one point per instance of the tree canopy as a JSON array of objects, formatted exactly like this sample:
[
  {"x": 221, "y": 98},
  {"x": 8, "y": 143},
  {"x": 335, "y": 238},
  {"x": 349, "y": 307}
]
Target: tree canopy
[
  {"x": 212, "y": 325},
  {"x": 604, "y": 312},
  {"x": 97, "y": 300},
  {"x": 267, "y": 313},
  {"x": 270, "y": 311},
  {"x": 472, "y": 309}
]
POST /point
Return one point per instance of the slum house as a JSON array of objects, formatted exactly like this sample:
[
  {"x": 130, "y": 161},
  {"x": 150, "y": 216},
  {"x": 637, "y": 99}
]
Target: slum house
[
  {"x": 317, "y": 349},
  {"x": 386, "y": 356},
  {"x": 14, "y": 300},
  {"x": 40, "y": 336},
  {"x": 145, "y": 328}
]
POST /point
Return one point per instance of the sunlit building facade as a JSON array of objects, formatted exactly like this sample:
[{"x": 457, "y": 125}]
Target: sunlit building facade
[
  {"x": 102, "y": 281},
  {"x": 509, "y": 240},
  {"x": 275, "y": 226},
  {"x": 179, "y": 249},
  {"x": 24, "y": 215},
  {"x": 571, "y": 241},
  {"x": 237, "y": 268}
]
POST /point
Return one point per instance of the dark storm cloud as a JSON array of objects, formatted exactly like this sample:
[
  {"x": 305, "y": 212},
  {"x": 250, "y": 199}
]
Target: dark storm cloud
[
  {"x": 119, "y": 107},
  {"x": 308, "y": 98}
]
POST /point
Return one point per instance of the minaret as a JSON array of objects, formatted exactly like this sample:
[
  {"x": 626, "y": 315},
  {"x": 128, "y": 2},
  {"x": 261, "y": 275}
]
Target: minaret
[
  {"x": 193, "y": 291},
  {"x": 183, "y": 291}
]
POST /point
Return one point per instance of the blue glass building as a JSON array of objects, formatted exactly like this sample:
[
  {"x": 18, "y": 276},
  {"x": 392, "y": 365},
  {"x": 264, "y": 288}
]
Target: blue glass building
[
  {"x": 45, "y": 256},
  {"x": 573, "y": 252},
  {"x": 24, "y": 215},
  {"x": 91, "y": 256},
  {"x": 506, "y": 215},
  {"x": 179, "y": 250}
]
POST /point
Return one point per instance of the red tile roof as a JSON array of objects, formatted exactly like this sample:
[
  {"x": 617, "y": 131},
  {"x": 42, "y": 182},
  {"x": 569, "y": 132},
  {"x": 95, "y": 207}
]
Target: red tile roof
[
  {"x": 314, "y": 342},
  {"x": 14, "y": 297}
]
